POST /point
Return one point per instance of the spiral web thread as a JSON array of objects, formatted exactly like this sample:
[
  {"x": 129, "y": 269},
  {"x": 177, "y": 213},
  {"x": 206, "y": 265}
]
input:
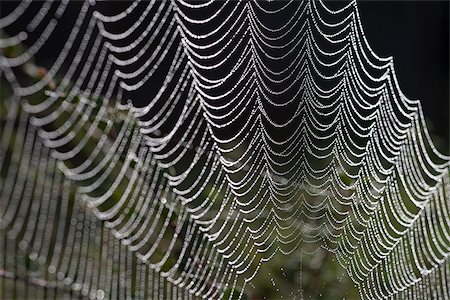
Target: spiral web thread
[{"x": 273, "y": 127}]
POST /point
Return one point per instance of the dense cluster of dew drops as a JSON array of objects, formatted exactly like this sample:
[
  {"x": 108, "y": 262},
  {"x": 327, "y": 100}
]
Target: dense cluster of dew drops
[{"x": 174, "y": 149}]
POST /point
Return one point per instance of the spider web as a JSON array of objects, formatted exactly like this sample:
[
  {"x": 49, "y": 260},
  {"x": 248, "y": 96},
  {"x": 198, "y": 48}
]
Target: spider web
[{"x": 175, "y": 149}]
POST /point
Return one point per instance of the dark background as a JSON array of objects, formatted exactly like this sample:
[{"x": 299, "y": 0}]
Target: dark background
[{"x": 416, "y": 34}]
